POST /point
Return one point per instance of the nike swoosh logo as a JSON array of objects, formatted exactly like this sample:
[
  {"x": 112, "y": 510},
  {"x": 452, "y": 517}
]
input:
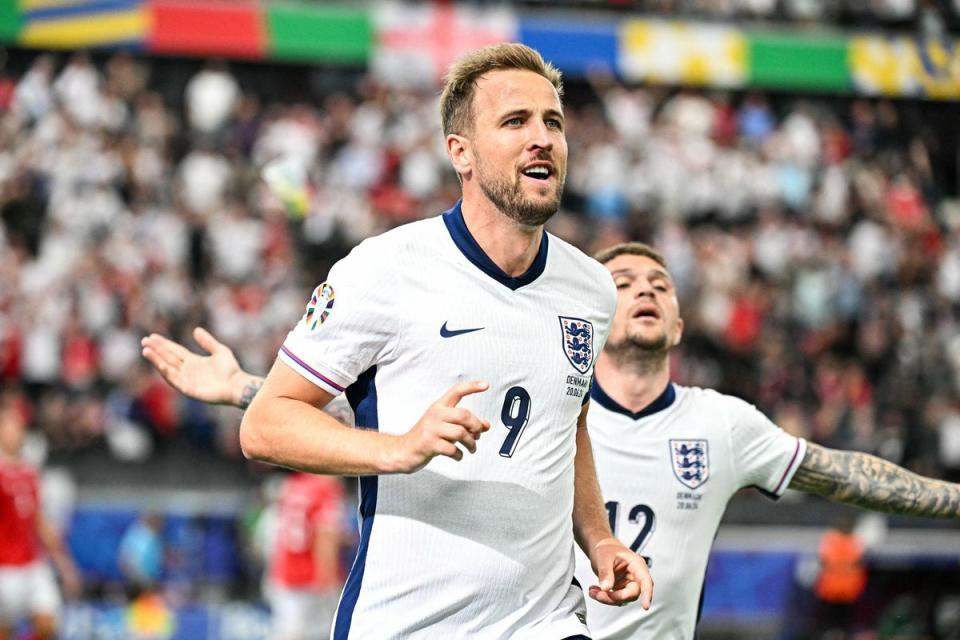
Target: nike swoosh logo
[{"x": 448, "y": 333}]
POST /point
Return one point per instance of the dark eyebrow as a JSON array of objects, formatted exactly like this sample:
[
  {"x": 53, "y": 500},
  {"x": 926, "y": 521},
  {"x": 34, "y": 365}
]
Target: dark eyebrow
[
  {"x": 653, "y": 273},
  {"x": 525, "y": 113},
  {"x": 553, "y": 113},
  {"x": 657, "y": 273}
]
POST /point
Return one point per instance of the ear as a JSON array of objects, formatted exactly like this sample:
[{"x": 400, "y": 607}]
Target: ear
[
  {"x": 460, "y": 153},
  {"x": 679, "y": 334}
]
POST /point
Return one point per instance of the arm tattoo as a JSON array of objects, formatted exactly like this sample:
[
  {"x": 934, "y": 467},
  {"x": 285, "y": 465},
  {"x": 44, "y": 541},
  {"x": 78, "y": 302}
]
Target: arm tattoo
[
  {"x": 872, "y": 483},
  {"x": 250, "y": 390}
]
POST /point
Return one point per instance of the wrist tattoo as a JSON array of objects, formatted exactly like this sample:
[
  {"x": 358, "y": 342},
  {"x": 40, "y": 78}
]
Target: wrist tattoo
[{"x": 250, "y": 390}]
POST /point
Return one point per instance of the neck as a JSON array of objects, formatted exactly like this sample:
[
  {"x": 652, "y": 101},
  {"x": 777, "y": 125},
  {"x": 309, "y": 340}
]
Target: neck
[
  {"x": 633, "y": 383},
  {"x": 510, "y": 245}
]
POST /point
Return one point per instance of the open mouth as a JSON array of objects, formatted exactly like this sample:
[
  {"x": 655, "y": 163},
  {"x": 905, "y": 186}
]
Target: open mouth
[
  {"x": 538, "y": 172},
  {"x": 646, "y": 312}
]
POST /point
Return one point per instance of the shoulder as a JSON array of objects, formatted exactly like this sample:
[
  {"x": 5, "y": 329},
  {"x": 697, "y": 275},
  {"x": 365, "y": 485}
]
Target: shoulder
[
  {"x": 712, "y": 401},
  {"x": 20, "y": 469},
  {"x": 581, "y": 269},
  {"x": 413, "y": 237},
  {"x": 742, "y": 420},
  {"x": 382, "y": 256},
  {"x": 573, "y": 258}
]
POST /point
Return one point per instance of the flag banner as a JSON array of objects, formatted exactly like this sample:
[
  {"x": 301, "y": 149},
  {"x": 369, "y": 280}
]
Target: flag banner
[
  {"x": 305, "y": 32},
  {"x": 79, "y": 24},
  {"x": 417, "y": 42},
  {"x": 576, "y": 48},
  {"x": 906, "y": 66},
  {"x": 233, "y": 29},
  {"x": 9, "y": 21},
  {"x": 788, "y": 61},
  {"x": 683, "y": 53},
  {"x": 412, "y": 44}
]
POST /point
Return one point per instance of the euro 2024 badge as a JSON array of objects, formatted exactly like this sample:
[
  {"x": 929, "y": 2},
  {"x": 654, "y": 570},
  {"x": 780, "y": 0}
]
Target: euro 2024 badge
[
  {"x": 691, "y": 462},
  {"x": 578, "y": 342},
  {"x": 321, "y": 302}
]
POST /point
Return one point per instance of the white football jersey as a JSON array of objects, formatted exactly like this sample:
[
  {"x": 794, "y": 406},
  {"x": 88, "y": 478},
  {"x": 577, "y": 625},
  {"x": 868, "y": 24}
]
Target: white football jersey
[
  {"x": 666, "y": 475},
  {"x": 481, "y": 548}
]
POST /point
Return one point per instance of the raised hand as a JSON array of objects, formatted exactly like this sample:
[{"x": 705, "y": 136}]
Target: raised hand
[
  {"x": 442, "y": 427},
  {"x": 623, "y": 574},
  {"x": 215, "y": 378}
]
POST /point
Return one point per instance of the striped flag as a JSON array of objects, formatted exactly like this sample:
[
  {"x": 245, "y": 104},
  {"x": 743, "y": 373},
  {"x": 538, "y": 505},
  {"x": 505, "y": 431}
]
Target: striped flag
[{"x": 77, "y": 24}]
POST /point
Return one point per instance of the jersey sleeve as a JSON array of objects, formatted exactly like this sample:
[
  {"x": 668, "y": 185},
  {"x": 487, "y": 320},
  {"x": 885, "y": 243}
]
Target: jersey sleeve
[
  {"x": 348, "y": 325},
  {"x": 765, "y": 456}
]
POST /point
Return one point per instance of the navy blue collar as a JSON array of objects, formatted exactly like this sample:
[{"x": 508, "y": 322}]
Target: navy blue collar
[
  {"x": 465, "y": 241},
  {"x": 663, "y": 401}
]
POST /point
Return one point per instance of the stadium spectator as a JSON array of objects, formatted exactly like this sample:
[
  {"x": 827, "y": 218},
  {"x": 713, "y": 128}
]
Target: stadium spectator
[
  {"x": 304, "y": 578},
  {"x": 210, "y": 98},
  {"x": 141, "y": 554},
  {"x": 28, "y": 589},
  {"x": 33, "y": 97},
  {"x": 842, "y": 578},
  {"x": 77, "y": 89}
]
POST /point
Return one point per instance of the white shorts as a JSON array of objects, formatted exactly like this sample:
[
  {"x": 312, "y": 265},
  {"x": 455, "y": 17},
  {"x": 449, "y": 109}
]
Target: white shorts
[
  {"x": 27, "y": 591},
  {"x": 299, "y": 614}
]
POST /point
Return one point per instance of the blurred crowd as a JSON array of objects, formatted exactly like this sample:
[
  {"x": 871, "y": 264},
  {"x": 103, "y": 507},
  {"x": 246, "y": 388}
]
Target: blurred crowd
[
  {"x": 931, "y": 16},
  {"x": 814, "y": 248},
  {"x": 814, "y": 242}
]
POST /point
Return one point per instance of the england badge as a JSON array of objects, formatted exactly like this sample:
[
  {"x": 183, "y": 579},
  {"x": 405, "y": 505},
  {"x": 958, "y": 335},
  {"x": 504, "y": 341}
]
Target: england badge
[
  {"x": 577, "y": 342},
  {"x": 691, "y": 462}
]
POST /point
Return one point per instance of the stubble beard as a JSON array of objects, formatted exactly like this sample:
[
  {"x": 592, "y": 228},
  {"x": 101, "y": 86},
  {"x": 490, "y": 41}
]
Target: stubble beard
[
  {"x": 510, "y": 200},
  {"x": 638, "y": 352}
]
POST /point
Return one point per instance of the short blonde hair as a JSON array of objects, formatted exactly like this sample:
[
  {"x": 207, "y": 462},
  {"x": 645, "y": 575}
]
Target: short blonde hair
[
  {"x": 456, "y": 101},
  {"x": 633, "y": 249}
]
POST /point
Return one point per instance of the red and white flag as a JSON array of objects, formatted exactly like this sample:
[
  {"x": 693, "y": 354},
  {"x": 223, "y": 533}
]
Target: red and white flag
[{"x": 417, "y": 42}]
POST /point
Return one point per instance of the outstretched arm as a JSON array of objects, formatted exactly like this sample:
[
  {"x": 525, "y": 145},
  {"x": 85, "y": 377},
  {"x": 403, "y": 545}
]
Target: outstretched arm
[
  {"x": 873, "y": 483},
  {"x": 215, "y": 378}
]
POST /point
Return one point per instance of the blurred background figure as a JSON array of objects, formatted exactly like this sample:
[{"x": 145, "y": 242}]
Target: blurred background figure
[
  {"x": 841, "y": 581},
  {"x": 28, "y": 542},
  {"x": 210, "y": 98},
  {"x": 304, "y": 576},
  {"x": 141, "y": 554}
]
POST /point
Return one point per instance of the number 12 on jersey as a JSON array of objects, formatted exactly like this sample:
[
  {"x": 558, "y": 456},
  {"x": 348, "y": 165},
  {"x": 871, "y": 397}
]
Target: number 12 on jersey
[
  {"x": 638, "y": 511},
  {"x": 514, "y": 415}
]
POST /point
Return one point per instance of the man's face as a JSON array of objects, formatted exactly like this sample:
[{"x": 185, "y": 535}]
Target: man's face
[
  {"x": 12, "y": 433},
  {"x": 648, "y": 314},
  {"x": 519, "y": 146}
]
